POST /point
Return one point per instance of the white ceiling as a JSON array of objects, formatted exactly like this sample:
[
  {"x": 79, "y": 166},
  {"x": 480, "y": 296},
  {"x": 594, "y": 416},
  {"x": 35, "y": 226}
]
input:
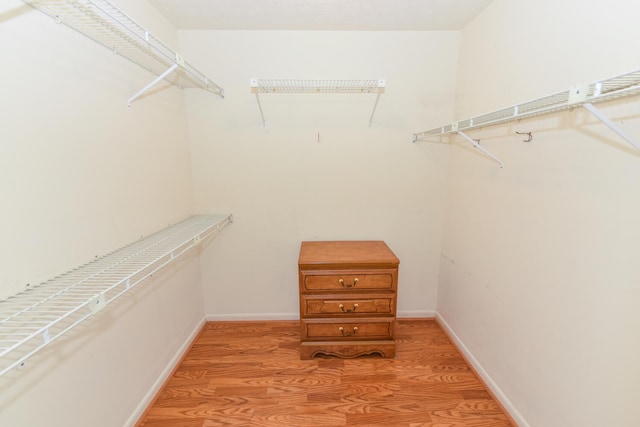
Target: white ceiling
[{"x": 363, "y": 15}]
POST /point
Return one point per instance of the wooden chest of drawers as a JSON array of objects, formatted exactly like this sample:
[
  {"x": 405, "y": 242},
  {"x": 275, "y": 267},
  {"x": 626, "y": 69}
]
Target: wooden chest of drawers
[{"x": 347, "y": 298}]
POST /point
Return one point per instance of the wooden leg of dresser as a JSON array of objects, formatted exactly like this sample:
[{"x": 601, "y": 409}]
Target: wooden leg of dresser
[{"x": 347, "y": 350}]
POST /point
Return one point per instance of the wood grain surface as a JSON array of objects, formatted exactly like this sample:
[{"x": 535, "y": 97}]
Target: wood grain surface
[
  {"x": 353, "y": 253},
  {"x": 250, "y": 374}
]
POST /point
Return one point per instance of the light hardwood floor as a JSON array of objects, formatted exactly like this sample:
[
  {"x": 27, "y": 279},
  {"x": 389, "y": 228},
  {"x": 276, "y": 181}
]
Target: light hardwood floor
[{"x": 250, "y": 374}]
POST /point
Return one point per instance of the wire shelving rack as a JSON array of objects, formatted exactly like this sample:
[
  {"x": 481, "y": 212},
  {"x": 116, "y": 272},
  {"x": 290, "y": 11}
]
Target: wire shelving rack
[
  {"x": 109, "y": 26},
  {"x": 577, "y": 96},
  {"x": 36, "y": 317},
  {"x": 269, "y": 86}
]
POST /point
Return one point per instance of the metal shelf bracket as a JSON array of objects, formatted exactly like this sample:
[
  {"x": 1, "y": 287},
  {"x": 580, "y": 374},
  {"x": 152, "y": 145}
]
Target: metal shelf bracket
[
  {"x": 150, "y": 85},
  {"x": 253, "y": 83},
  {"x": 381, "y": 85},
  {"x": 604, "y": 119},
  {"x": 481, "y": 148}
]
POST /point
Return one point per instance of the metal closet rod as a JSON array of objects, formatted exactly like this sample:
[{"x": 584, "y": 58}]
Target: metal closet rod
[{"x": 577, "y": 96}]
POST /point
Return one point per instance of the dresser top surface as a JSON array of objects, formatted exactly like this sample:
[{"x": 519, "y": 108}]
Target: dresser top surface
[{"x": 357, "y": 252}]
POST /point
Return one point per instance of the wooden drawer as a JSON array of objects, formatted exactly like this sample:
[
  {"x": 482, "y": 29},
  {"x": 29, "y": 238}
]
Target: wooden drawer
[
  {"x": 334, "y": 329},
  {"x": 312, "y": 281},
  {"x": 363, "y": 305}
]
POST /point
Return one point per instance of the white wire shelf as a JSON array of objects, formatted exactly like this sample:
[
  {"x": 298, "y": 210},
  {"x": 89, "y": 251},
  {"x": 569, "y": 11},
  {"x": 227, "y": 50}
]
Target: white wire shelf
[
  {"x": 267, "y": 86},
  {"x": 317, "y": 86},
  {"x": 616, "y": 87},
  {"x": 33, "y": 319},
  {"x": 578, "y": 96},
  {"x": 104, "y": 23}
]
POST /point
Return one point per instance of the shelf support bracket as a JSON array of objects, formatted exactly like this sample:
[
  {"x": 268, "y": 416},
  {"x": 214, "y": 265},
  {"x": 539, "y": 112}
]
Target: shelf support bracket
[
  {"x": 604, "y": 119},
  {"x": 374, "y": 109},
  {"x": 150, "y": 85},
  {"x": 254, "y": 88},
  {"x": 481, "y": 148},
  {"x": 382, "y": 83},
  {"x": 264, "y": 123}
]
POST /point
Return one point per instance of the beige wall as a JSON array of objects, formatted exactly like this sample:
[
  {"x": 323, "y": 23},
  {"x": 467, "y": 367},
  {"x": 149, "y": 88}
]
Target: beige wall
[
  {"x": 283, "y": 187},
  {"x": 81, "y": 175},
  {"x": 539, "y": 272}
]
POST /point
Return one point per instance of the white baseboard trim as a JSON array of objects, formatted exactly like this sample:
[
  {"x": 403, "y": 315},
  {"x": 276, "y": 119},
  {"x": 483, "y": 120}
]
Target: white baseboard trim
[
  {"x": 157, "y": 385},
  {"x": 419, "y": 314},
  {"x": 416, "y": 314},
  {"x": 497, "y": 392},
  {"x": 252, "y": 316}
]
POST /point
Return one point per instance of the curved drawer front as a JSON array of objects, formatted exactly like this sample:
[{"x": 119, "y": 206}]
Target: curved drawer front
[
  {"x": 363, "y": 305},
  {"x": 348, "y": 281},
  {"x": 349, "y": 330}
]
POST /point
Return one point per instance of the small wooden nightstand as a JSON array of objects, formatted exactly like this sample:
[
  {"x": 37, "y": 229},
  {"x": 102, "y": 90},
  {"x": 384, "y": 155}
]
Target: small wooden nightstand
[{"x": 348, "y": 295}]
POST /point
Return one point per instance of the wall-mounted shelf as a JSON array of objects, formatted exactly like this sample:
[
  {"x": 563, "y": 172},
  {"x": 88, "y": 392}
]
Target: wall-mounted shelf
[
  {"x": 581, "y": 95},
  {"x": 259, "y": 86},
  {"x": 106, "y": 24},
  {"x": 33, "y": 319}
]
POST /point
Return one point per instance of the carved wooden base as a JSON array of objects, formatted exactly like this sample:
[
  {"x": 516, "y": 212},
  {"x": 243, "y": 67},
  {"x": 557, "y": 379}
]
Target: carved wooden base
[{"x": 347, "y": 350}]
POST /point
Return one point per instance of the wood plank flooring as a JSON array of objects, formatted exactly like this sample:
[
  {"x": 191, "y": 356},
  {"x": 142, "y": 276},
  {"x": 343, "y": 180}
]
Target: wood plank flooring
[{"x": 249, "y": 374}]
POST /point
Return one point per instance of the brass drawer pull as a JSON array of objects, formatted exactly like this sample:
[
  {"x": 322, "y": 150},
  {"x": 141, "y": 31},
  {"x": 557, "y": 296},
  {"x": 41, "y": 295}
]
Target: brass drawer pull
[
  {"x": 355, "y": 306},
  {"x": 348, "y": 334},
  {"x": 355, "y": 282}
]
